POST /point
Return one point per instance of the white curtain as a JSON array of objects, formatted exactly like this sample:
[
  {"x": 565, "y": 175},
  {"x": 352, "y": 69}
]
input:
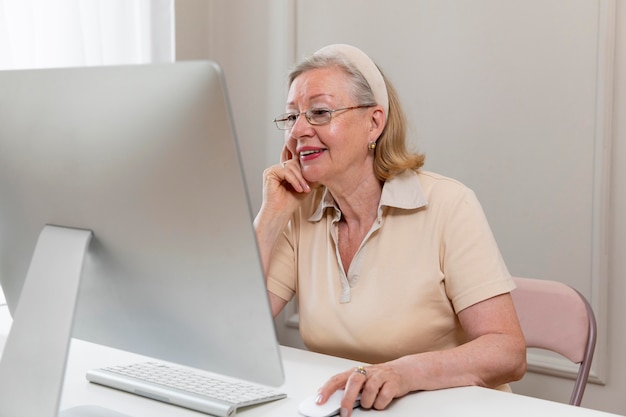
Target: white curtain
[{"x": 63, "y": 33}]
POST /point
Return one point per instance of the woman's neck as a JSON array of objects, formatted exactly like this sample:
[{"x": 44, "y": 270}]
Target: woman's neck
[{"x": 359, "y": 200}]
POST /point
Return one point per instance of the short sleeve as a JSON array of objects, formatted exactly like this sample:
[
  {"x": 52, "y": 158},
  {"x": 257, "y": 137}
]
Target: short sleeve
[
  {"x": 472, "y": 264},
  {"x": 282, "y": 274}
]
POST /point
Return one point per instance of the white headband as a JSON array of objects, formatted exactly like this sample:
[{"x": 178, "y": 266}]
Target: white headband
[{"x": 366, "y": 66}]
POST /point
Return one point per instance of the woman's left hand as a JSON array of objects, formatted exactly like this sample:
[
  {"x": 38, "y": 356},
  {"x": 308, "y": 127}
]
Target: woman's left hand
[{"x": 377, "y": 384}]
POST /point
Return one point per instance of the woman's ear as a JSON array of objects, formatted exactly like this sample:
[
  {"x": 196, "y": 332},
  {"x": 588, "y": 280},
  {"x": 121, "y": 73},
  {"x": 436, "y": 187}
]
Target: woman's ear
[{"x": 378, "y": 121}]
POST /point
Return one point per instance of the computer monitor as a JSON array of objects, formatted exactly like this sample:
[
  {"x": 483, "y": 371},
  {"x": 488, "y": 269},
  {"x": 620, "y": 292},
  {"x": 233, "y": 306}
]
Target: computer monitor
[{"x": 132, "y": 175}]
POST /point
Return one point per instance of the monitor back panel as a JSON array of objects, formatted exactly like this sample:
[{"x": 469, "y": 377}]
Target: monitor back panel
[{"x": 146, "y": 157}]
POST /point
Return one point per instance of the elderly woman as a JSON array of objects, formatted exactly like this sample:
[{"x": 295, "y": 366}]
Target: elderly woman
[{"x": 391, "y": 265}]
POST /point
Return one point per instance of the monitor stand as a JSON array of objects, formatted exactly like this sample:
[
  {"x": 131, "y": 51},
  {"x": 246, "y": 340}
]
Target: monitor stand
[{"x": 32, "y": 367}]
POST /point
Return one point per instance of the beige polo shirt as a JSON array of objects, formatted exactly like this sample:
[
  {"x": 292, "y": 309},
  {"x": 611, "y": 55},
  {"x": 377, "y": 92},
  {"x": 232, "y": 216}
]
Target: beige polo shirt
[{"x": 429, "y": 255}]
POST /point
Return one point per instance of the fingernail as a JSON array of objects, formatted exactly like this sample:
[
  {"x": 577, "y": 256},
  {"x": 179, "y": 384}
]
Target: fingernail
[
  {"x": 343, "y": 412},
  {"x": 318, "y": 399}
]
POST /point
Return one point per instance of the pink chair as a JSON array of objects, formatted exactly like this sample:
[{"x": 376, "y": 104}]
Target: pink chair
[{"x": 556, "y": 317}]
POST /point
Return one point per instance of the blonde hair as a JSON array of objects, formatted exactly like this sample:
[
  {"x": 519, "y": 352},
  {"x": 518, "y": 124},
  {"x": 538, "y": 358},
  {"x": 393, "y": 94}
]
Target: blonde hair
[{"x": 391, "y": 155}]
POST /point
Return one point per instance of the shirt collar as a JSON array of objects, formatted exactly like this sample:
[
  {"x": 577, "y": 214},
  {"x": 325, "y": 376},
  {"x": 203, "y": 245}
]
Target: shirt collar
[{"x": 403, "y": 191}]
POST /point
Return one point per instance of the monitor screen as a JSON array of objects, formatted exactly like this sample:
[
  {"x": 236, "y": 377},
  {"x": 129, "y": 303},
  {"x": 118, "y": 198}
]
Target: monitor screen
[{"x": 145, "y": 157}]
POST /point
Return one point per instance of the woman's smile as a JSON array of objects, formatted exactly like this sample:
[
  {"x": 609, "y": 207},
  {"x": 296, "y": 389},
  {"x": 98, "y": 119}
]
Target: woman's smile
[{"x": 308, "y": 154}]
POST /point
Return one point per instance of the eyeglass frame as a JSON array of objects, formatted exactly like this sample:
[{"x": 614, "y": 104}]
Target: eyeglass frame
[{"x": 283, "y": 118}]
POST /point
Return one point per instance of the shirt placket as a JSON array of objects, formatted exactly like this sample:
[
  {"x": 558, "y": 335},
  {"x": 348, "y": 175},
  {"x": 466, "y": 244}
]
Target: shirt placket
[{"x": 350, "y": 278}]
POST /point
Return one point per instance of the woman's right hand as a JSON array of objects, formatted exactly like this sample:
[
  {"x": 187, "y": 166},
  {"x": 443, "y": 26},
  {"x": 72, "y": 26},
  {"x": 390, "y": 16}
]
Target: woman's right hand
[{"x": 284, "y": 186}]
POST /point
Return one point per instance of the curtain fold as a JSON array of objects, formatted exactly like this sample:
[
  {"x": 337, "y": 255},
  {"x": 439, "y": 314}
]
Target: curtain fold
[{"x": 62, "y": 33}]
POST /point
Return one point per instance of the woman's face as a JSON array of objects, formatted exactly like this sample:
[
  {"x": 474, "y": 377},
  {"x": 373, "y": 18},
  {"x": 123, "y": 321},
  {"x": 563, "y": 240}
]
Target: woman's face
[{"x": 335, "y": 151}]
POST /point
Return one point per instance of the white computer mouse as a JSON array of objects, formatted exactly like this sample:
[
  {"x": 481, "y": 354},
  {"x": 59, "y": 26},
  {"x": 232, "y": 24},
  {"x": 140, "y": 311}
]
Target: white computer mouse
[{"x": 309, "y": 408}]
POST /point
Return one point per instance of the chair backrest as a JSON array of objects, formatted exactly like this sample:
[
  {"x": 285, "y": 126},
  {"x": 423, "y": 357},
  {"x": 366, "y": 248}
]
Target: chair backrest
[{"x": 556, "y": 317}]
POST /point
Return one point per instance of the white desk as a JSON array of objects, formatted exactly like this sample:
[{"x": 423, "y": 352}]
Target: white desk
[{"x": 304, "y": 373}]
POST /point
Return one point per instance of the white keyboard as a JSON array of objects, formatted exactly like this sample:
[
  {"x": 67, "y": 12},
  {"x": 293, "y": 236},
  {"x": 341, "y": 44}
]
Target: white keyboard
[{"x": 208, "y": 393}]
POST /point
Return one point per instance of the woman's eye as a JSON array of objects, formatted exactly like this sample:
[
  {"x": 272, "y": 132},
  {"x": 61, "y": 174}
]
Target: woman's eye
[{"x": 318, "y": 112}]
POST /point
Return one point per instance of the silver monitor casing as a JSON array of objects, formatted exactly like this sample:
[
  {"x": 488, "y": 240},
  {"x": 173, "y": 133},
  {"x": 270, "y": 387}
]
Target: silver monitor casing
[{"x": 145, "y": 157}]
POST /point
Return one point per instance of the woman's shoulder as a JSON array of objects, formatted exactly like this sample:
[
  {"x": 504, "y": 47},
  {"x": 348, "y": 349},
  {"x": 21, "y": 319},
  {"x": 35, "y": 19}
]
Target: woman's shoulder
[
  {"x": 433, "y": 182},
  {"x": 446, "y": 192}
]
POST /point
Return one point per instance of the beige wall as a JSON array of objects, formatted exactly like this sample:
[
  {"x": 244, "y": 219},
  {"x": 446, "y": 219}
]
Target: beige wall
[
  {"x": 257, "y": 41},
  {"x": 250, "y": 40}
]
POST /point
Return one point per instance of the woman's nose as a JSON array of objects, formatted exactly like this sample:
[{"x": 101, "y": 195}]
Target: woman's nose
[{"x": 301, "y": 126}]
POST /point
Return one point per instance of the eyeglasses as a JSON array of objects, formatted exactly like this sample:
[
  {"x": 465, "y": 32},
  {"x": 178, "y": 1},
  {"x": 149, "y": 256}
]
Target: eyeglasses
[{"x": 315, "y": 117}]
